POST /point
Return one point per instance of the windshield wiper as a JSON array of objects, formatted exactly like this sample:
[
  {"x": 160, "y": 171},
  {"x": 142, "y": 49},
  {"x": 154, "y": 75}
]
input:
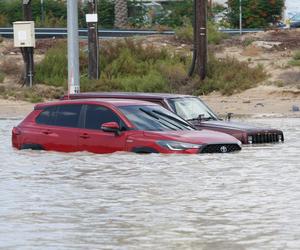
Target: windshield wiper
[
  {"x": 157, "y": 118},
  {"x": 200, "y": 118},
  {"x": 149, "y": 113},
  {"x": 172, "y": 118}
]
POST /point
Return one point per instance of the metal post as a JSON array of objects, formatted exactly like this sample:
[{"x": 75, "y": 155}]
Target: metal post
[
  {"x": 201, "y": 29},
  {"x": 27, "y": 10},
  {"x": 73, "y": 48},
  {"x": 241, "y": 18},
  {"x": 31, "y": 66},
  {"x": 42, "y": 13},
  {"x": 93, "y": 42},
  {"x": 28, "y": 52}
]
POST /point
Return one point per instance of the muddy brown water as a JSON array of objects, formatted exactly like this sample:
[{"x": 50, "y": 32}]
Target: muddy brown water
[{"x": 245, "y": 200}]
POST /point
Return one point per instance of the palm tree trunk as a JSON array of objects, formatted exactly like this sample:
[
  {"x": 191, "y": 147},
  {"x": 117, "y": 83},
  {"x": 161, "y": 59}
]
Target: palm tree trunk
[{"x": 121, "y": 13}]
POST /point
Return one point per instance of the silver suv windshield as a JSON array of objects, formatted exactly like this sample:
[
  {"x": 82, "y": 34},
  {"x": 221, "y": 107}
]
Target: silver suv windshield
[{"x": 191, "y": 108}]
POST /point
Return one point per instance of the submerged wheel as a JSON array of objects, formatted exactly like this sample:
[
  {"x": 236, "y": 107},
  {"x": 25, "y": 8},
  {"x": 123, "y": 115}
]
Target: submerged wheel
[
  {"x": 144, "y": 150},
  {"x": 32, "y": 146}
]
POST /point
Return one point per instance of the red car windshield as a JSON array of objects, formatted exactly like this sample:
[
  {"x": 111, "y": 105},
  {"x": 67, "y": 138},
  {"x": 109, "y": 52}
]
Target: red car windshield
[{"x": 154, "y": 118}]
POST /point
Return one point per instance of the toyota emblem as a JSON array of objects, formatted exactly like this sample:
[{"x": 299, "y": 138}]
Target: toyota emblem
[{"x": 223, "y": 149}]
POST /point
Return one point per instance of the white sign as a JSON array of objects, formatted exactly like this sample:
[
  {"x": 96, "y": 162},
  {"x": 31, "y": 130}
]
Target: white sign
[
  {"x": 22, "y": 36},
  {"x": 91, "y": 18}
]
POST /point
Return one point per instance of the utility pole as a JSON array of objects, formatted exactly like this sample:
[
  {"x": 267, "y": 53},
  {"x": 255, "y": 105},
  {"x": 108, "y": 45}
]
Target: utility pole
[
  {"x": 201, "y": 38},
  {"x": 93, "y": 43},
  {"x": 241, "y": 18},
  {"x": 73, "y": 48},
  {"x": 27, "y": 53},
  {"x": 42, "y": 13}
]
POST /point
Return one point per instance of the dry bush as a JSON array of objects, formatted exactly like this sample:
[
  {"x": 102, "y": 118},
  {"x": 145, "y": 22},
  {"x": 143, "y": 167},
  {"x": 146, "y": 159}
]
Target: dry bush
[
  {"x": 43, "y": 45},
  {"x": 252, "y": 51},
  {"x": 230, "y": 76},
  {"x": 175, "y": 74},
  {"x": 290, "y": 78},
  {"x": 10, "y": 67}
]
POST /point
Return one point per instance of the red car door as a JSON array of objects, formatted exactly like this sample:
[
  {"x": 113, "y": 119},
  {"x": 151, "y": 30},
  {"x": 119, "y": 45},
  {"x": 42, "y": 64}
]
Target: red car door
[
  {"x": 93, "y": 139},
  {"x": 58, "y": 128}
]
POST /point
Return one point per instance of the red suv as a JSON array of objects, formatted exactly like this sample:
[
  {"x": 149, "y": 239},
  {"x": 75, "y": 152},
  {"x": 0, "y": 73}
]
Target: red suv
[
  {"x": 110, "y": 125},
  {"x": 195, "y": 111}
]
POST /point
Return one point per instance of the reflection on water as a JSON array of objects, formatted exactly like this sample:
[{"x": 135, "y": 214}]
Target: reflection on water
[{"x": 246, "y": 200}]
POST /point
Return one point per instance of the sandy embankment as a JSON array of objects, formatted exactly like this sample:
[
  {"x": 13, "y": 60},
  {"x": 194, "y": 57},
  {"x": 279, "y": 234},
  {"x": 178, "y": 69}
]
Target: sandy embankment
[
  {"x": 262, "y": 101},
  {"x": 14, "y": 109}
]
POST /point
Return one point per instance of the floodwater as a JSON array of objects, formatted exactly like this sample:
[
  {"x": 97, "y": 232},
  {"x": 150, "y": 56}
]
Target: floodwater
[{"x": 245, "y": 200}]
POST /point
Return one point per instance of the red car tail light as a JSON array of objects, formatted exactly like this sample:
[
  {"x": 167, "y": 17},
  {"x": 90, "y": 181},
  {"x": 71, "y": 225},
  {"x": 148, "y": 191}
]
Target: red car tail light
[
  {"x": 15, "y": 134},
  {"x": 16, "y": 131}
]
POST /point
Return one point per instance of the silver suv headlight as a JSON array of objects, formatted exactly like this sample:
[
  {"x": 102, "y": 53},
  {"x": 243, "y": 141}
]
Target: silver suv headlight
[{"x": 177, "y": 146}]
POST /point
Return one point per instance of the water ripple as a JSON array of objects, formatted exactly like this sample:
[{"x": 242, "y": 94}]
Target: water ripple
[{"x": 246, "y": 200}]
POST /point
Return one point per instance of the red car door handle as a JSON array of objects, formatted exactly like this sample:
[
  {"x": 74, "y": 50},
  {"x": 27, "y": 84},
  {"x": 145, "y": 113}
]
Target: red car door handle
[
  {"x": 84, "y": 136},
  {"x": 47, "y": 132}
]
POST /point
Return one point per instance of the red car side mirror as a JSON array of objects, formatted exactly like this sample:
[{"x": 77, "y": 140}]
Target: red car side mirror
[{"x": 111, "y": 127}]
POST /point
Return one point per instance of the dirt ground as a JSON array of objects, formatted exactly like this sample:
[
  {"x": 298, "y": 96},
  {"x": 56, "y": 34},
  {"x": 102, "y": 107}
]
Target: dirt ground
[
  {"x": 14, "y": 109},
  {"x": 272, "y": 49},
  {"x": 263, "y": 101}
]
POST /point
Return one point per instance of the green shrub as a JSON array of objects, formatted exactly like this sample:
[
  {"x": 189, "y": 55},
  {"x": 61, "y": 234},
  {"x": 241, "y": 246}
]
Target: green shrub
[
  {"x": 128, "y": 65},
  {"x": 153, "y": 81},
  {"x": 53, "y": 69},
  {"x": 51, "y": 21},
  {"x": 230, "y": 76},
  {"x": 294, "y": 63},
  {"x": 125, "y": 65},
  {"x": 296, "y": 55},
  {"x": 214, "y": 35},
  {"x": 186, "y": 33},
  {"x": 296, "y": 59},
  {"x": 103, "y": 84},
  {"x": 140, "y": 51},
  {"x": 174, "y": 73},
  {"x": 32, "y": 96}
]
